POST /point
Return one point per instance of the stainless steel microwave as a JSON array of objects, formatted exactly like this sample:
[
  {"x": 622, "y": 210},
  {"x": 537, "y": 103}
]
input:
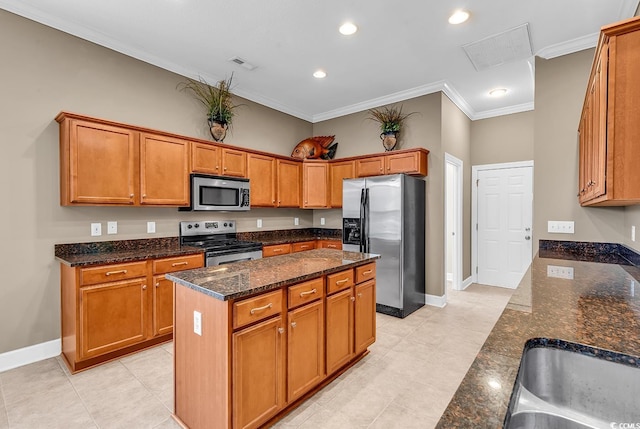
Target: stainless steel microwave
[{"x": 217, "y": 193}]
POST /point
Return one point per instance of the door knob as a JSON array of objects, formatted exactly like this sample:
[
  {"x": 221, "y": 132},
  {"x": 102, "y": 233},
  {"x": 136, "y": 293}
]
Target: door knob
[
  {"x": 527, "y": 229},
  {"x": 527, "y": 237}
]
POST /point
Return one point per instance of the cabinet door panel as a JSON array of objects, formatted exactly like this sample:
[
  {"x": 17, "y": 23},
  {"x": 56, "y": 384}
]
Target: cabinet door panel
[
  {"x": 258, "y": 373},
  {"x": 102, "y": 164},
  {"x": 261, "y": 171},
  {"x": 112, "y": 316},
  {"x": 315, "y": 185},
  {"x": 162, "y": 306},
  {"x": 289, "y": 183},
  {"x": 164, "y": 171},
  {"x": 370, "y": 166},
  {"x": 409, "y": 163},
  {"x": 365, "y": 315},
  {"x": 339, "y": 331},
  {"x": 337, "y": 172},
  {"x": 234, "y": 163},
  {"x": 305, "y": 361},
  {"x": 205, "y": 158}
]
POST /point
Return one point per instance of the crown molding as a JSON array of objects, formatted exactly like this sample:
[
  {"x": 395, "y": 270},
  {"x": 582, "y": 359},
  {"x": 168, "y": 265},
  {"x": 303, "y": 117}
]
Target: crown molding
[
  {"x": 518, "y": 108},
  {"x": 569, "y": 47}
]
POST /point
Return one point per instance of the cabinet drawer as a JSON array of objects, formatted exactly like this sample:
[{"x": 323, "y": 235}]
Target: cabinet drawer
[
  {"x": 275, "y": 250},
  {"x": 257, "y": 308},
  {"x": 179, "y": 263},
  {"x": 302, "y": 246},
  {"x": 112, "y": 273},
  {"x": 330, "y": 244},
  {"x": 305, "y": 292},
  {"x": 365, "y": 272},
  {"x": 339, "y": 281}
]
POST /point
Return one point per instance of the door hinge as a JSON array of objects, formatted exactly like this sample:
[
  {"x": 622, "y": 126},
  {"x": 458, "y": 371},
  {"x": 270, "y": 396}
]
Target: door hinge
[
  {"x": 476, "y": 270},
  {"x": 476, "y": 226},
  {"x": 477, "y": 182}
]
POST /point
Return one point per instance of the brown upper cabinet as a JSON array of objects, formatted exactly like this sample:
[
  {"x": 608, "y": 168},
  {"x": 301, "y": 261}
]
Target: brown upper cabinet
[
  {"x": 108, "y": 163},
  {"x": 261, "y": 171},
  {"x": 289, "y": 185},
  {"x": 609, "y": 173},
  {"x": 338, "y": 171},
  {"x": 104, "y": 164},
  {"x": 315, "y": 180}
]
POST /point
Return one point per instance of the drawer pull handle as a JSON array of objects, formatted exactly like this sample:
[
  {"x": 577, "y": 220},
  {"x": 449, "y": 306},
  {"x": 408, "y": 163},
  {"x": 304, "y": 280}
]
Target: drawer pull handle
[
  {"x": 254, "y": 310},
  {"x": 175, "y": 264},
  {"x": 331, "y": 246},
  {"x": 277, "y": 250},
  {"x": 110, "y": 273},
  {"x": 339, "y": 282},
  {"x": 367, "y": 272},
  {"x": 309, "y": 292},
  {"x": 304, "y": 246}
]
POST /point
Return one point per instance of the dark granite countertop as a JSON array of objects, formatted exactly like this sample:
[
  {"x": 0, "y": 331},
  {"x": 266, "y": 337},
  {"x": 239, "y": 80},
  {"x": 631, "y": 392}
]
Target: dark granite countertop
[
  {"x": 269, "y": 238},
  {"x": 599, "y": 307},
  {"x": 112, "y": 252},
  {"x": 249, "y": 277}
]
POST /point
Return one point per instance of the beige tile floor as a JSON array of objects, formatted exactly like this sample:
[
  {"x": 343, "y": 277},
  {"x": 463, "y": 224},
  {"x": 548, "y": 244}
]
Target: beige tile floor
[{"x": 407, "y": 380}]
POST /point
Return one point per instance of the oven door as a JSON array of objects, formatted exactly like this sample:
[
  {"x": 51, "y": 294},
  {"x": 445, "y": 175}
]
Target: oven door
[{"x": 213, "y": 260}]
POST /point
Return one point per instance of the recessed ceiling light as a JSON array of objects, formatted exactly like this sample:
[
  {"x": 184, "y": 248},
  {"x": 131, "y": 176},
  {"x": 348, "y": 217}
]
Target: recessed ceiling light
[
  {"x": 319, "y": 74},
  {"x": 348, "y": 28},
  {"x": 498, "y": 92},
  {"x": 458, "y": 17}
]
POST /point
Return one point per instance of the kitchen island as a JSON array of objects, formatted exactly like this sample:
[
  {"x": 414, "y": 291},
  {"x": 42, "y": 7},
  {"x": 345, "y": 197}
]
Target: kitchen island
[
  {"x": 598, "y": 306},
  {"x": 254, "y": 339}
]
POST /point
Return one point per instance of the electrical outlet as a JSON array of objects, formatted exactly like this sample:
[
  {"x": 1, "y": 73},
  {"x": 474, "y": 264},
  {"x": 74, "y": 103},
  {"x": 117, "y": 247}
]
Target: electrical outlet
[
  {"x": 151, "y": 227},
  {"x": 259, "y": 223},
  {"x": 560, "y": 272},
  {"x": 197, "y": 322},
  {"x": 560, "y": 227},
  {"x": 322, "y": 221},
  {"x": 633, "y": 233},
  {"x": 96, "y": 229},
  {"x": 112, "y": 227},
  {"x": 296, "y": 221}
]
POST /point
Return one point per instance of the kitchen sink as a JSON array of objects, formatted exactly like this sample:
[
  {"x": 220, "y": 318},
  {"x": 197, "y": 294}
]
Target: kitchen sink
[{"x": 567, "y": 385}]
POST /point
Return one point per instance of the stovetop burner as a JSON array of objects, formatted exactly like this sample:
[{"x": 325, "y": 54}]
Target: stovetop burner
[{"x": 215, "y": 237}]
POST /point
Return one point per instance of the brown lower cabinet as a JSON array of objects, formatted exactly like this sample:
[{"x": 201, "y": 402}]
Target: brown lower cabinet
[
  {"x": 115, "y": 309},
  {"x": 257, "y": 358}
]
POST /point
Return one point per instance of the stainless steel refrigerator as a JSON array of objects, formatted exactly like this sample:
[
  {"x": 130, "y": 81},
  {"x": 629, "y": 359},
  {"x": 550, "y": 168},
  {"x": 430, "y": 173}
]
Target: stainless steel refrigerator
[{"x": 386, "y": 215}]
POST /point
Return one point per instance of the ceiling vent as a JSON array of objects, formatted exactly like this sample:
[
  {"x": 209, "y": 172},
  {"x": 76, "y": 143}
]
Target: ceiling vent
[
  {"x": 511, "y": 45},
  {"x": 242, "y": 63}
]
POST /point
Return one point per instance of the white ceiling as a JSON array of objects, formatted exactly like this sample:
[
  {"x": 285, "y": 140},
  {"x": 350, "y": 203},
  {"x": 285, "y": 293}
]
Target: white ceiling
[{"x": 403, "y": 49}]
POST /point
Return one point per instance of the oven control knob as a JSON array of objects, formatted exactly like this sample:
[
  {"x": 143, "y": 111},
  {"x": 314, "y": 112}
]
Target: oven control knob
[
  {"x": 189, "y": 226},
  {"x": 225, "y": 224},
  {"x": 197, "y": 225},
  {"x": 230, "y": 224}
]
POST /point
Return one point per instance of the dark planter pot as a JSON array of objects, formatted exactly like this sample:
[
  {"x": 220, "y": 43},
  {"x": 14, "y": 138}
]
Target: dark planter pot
[
  {"x": 389, "y": 140},
  {"x": 218, "y": 129}
]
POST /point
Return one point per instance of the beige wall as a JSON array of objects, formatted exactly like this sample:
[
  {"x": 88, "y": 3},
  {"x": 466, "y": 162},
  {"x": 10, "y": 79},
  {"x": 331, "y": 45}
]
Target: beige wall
[
  {"x": 456, "y": 141},
  {"x": 45, "y": 71},
  {"x": 560, "y": 87},
  {"x": 357, "y": 135},
  {"x": 507, "y": 138}
]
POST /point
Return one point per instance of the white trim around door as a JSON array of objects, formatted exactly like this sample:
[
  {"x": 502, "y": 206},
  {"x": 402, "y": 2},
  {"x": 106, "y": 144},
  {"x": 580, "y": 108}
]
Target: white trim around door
[{"x": 453, "y": 191}]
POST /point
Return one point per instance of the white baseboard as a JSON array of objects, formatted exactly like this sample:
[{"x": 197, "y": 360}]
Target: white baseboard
[
  {"x": 449, "y": 277},
  {"x": 27, "y": 355},
  {"x": 436, "y": 301},
  {"x": 467, "y": 282}
]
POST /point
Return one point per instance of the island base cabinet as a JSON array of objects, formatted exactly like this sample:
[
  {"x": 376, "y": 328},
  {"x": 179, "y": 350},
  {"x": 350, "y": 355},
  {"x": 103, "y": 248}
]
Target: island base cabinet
[
  {"x": 112, "y": 317},
  {"x": 305, "y": 349},
  {"x": 258, "y": 373}
]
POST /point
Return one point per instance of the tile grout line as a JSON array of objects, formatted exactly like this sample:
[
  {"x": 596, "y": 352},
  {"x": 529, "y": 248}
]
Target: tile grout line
[
  {"x": 84, "y": 405},
  {"x": 4, "y": 403},
  {"x": 142, "y": 383}
]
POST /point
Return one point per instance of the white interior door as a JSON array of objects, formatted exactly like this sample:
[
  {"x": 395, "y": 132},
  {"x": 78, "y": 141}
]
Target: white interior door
[{"x": 504, "y": 218}]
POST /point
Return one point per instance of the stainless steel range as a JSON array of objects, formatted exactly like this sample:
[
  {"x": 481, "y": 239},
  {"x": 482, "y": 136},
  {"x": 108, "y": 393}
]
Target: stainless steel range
[{"x": 218, "y": 238}]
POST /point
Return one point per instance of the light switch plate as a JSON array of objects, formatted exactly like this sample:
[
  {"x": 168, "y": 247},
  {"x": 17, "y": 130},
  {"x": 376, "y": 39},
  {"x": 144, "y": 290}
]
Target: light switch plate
[
  {"x": 197, "y": 322},
  {"x": 296, "y": 221},
  {"x": 322, "y": 221},
  {"x": 259, "y": 223},
  {"x": 112, "y": 227},
  {"x": 560, "y": 272},
  {"x": 96, "y": 229},
  {"x": 151, "y": 227},
  {"x": 560, "y": 227}
]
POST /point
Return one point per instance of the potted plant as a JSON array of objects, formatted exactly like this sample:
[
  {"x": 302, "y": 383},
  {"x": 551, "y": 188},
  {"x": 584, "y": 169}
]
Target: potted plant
[
  {"x": 218, "y": 102},
  {"x": 390, "y": 120}
]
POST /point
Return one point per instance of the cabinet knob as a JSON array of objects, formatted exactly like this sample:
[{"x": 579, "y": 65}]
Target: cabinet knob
[
  {"x": 130, "y": 195},
  {"x": 281, "y": 330},
  {"x": 144, "y": 287},
  {"x": 353, "y": 298},
  {"x": 144, "y": 195},
  {"x": 157, "y": 284},
  {"x": 359, "y": 295},
  {"x": 294, "y": 324},
  {"x": 225, "y": 169}
]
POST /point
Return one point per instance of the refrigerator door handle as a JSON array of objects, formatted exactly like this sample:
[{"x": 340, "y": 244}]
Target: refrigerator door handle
[
  {"x": 366, "y": 220},
  {"x": 362, "y": 233}
]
